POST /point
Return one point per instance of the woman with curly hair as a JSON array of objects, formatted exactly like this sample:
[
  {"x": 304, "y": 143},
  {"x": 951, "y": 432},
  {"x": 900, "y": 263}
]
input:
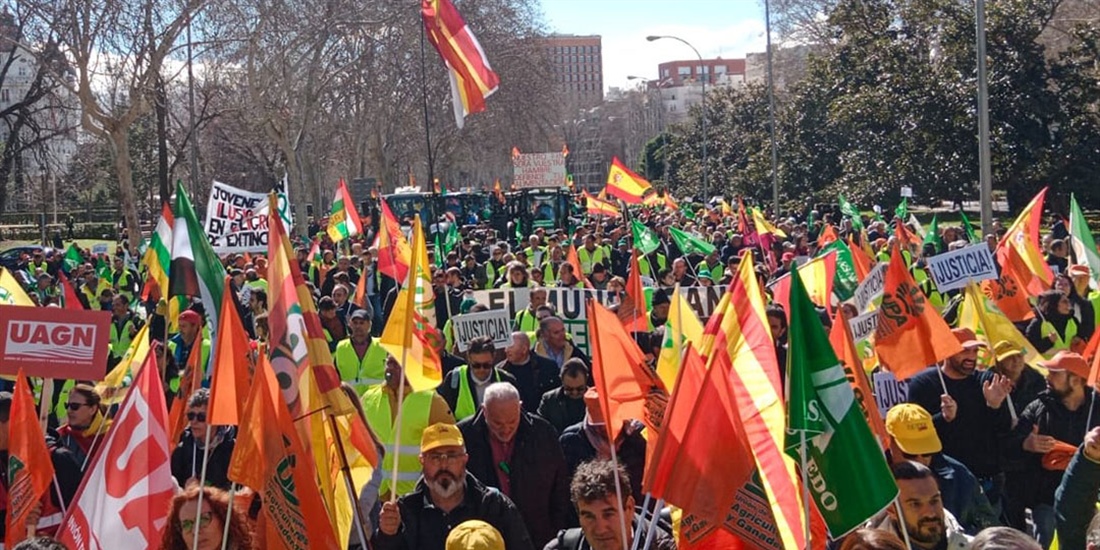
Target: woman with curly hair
[{"x": 179, "y": 534}]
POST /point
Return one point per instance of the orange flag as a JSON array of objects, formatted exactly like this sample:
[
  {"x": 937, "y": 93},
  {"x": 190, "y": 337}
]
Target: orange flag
[
  {"x": 29, "y": 467},
  {"x": 845, "y": 347},
  {"x": 618, "y": 369},
  {"x": 572, "y": 259},
  {"x": 270, "y": 459},
  {"x": 632, "y": 310},
  {"x": 861, "y": 260},
  {"x": 69, "y": 299},
  {"x": 229, "y": 381},
  {"x": 702, "y": 458},
  {"x": 189, "y": 382},
  {"x": 905, "y": 236},
  {"x": 360, "y": 297},
  {"x": 911, "y": 335},
  {"x": 1009, "y": 291},
  {"x": 394, "y": 252},
  {"x": 1023, "y": 238},
  {"x": 828, "y": 235}
]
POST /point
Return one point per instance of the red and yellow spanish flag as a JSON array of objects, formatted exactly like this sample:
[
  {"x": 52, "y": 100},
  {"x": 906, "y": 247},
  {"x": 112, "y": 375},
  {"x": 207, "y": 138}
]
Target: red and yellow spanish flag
[
  {"x": 738, "y": 328},
  {"x": 1023, "y": 237},
  {"x": 911, "y": 334},
  {"x": 671, "y": 202},
  {"x": 269, "y": 458},
  {"x": 817, "y": 276},
  {"x": 30, "y": 469},
  {"x": 472, "y": 79},
  {"x": 625, "y": 184},
  {"x": 394, "y": 254},
  {"x": 597, "y": 207},
  {"x": 410, "y": 335}
]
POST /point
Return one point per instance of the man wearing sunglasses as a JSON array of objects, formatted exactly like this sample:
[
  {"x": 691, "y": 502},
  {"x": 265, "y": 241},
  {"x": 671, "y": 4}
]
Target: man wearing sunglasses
[
  {"x": 914, "y": 435},
  {"x": 464, "y": 387},
  {"x": 563, "y": 406},
  {"x": 445, "y": 496},
  {"x": 192, "y": 451}
]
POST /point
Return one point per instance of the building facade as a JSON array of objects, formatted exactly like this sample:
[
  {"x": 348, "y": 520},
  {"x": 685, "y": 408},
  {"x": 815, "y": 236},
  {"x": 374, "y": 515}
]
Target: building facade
[{"x": 578, "y": 67}]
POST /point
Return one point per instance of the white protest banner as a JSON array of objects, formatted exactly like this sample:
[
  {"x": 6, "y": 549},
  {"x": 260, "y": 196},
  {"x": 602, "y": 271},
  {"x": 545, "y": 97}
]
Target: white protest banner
[
  {"x": 871, "y": 288},
  {"x": 538, "y": 170},
  {"x": 953, "y": 270},
  {"x": 494, "y": 323},
  {"x": 99, "y": 249},
  {"x": 236, "y": 220},
  {"x": 864, "y": 326},
  {"x": 889, "y": 391},
  {"x": 569, "y": 303}
]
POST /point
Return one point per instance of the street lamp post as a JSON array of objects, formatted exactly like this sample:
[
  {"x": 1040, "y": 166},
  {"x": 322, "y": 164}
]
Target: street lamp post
[
  {"x": 771, "y": 110},
  {"x": 702, "y": 67},
  {"x": 984, "y": 166}
]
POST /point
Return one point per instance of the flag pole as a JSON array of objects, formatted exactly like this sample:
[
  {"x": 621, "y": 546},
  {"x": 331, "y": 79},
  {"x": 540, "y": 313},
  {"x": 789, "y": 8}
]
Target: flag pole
[
  {"x": 652, "y": 530},
  {"x": 901, "y": 523},
  {"x": 427, "y": 121},
  {"x": 805, "y": 486},
  {"x": 60, "y": 498},
  {"x": 641, "y": 523},
  {"x": 228, "y": 516},
  {"x": 202, "y": 475},
  {"x": 397, "y": 424},
  {"x": 615, "y": 465},
  {"x": 346, "y": 470}
]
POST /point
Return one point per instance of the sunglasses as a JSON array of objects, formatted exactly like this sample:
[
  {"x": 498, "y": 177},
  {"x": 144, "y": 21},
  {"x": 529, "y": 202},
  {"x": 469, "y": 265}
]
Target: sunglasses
[
  {"x": 75, "y": 406},
  {"x": 579, "y": 390},
  {"x": 204, "y": 519},
  {"x": 481, "y": 365},
  {"x": 201, "y": 417}
]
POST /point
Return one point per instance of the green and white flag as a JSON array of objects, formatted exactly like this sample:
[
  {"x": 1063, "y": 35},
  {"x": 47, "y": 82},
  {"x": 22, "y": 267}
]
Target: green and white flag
[
  {"x": 644, "y": 238},
  {"x": 845, "y": 280},
  {"x": 971, "y": 235},
  {"x": 933, "y": 235},
  {"x": 689, "y": 243},
  {"x": 1084, "y": 247},
  {"x": 195, "y": 269},
  {"x": 73, "y": 258},
  {"x": 902, "y": 211},
  {"x": 852, "y": 212},
  {"x": 849, "y": 479}
]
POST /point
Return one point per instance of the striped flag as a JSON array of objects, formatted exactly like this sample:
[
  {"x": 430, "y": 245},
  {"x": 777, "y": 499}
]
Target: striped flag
[
  {"x": 343, "y": 219},
  {"x": 1084, "y": 246},
  {"x": 472, "y": 79},
  {"x": 394, "y": 253},
  {"x": 195, "y": 269},
  {"x": 818, "y": 277},
  {"x": 597, "y": 207},
  {"x": 623, "y": 183},
  {"x": 1023, "y": 237},
  {"x": 410, "y": 333}
]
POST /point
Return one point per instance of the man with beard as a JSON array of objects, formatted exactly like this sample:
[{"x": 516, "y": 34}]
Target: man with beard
[
  {"x": 445, "y": 496},
  {"x": 929, "y": 526},
  {"x": 1051, "y": 428},
  {"x": 967, "y": 412}
]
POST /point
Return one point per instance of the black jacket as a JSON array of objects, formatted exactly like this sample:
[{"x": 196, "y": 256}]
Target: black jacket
[
  {"x": 534, "y": 378},
  {"x": 973, "y": 434},
  {"x": 573, "y": 539},
  {"x": 1075, "y": 500},
  {"x": 539, "y": 480},
  {"x": 425, "y": 527},
  {"x": 631, "y": 454},
  {"x": 187, "y": 460},
  {"x": 1053, "y": 419},
  {"x": 560, "y": 410}
]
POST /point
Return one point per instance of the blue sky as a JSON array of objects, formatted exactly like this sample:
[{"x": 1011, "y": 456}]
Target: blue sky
[{"x": 726, "y": 28}]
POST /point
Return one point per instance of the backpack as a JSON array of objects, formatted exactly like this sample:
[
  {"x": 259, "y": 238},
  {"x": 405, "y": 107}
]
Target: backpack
[{"x": 572, "y": 539}]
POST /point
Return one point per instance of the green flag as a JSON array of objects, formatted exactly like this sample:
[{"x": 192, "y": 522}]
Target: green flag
[
  {"x": 845, "y": 280},
  {"x": 932, "y": 236},
  {"x": 103, "y": 268},
  {"x": 688, "y": 211},
  {"x": 450, "y": 240},
  {"x": 644, "y": 238},
  {"x": 852, "y": 212},
  {"x": 850, "y": 481},
  {"x": 73, "y": 258},
  {"x": 971, "y": 235},
  {"x": 688, "y": 243},
  {"x": 902, "y": 211},
  {"x": 1084, "y": 247}
]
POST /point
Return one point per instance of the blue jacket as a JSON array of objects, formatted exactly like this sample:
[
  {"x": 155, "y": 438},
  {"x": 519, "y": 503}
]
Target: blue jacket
[
  {"x": 1075, "y": 500},
  {"x": 962, "y": 494}
]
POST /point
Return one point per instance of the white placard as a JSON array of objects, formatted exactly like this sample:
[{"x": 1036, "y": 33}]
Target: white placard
[
  {"x": 871, "y": 288},
  {"x": 533, "y": 170},
  {"x": 236, "y": 220},
  {"x": 889, "y": 391},
  {"x": 494, "y": 323},
  {"x": 954, "y": 270},
  {"x": 99, "y": 249},
  {"x": 864, "y": 326}
]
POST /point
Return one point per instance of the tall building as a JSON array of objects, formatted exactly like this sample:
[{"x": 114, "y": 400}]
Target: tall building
[{"x": 578, "y": 67}]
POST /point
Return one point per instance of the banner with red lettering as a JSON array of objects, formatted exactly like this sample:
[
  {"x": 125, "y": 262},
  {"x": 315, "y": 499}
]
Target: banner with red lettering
[
  {"x": 48, "y": 342},
  {"x": 124, "y": 499}
]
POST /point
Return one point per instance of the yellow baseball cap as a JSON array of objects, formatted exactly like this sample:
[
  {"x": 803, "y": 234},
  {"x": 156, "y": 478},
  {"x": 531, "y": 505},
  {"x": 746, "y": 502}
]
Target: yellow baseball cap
[
  {"x": 912, "y": 428},
  {"x": 1004, "y": 349},
  {"x": 474, "y": 535},
  {"x": 441, "y": 435}
]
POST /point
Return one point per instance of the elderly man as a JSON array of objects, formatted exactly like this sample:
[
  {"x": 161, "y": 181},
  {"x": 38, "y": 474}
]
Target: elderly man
[
  {"x": 518, "y": 453},
  {"x": 527, "y": 320},
  {"x": 446, "y": 496},
  {"x": 534, "y": 374},
  {"x": 553, "y": 344}
]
